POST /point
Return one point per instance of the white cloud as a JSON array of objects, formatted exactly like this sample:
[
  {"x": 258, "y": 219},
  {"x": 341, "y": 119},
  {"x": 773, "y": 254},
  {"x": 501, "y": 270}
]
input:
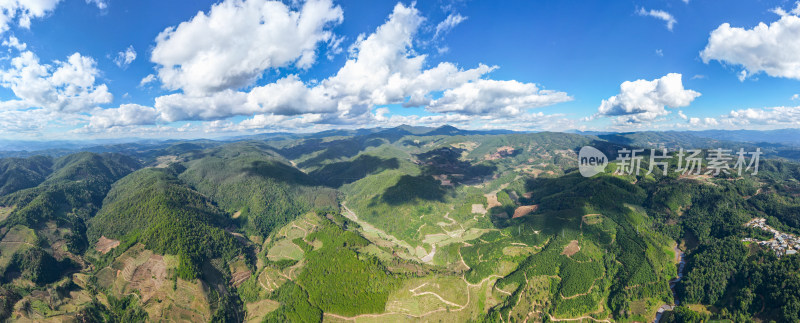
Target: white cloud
[
  {"x": 23, "y": 121},
  {"x": 23, "y": 11},
  {"x": 796, "y": 11},
  {"x": 382, "y": 69},
  {"x": 125, "y": 58},
  {"x": 751, "y": 118},
  {"x": 13, "y": 42},
  {"x": 795, "y": 97},
  {"x": 236, "y": 41},
  {"x": 776, "y": 116},
  {"x": 643, "y": 100},
  {"x": 742, "y": 75},
  {"x": 65, "y": 86},
  {"x": 179, "y": 106},
  {"x": 703, "y": 122},
  {"x": 147, "y": 79},
  {"x": 101, "y": 4},
  {"x": 496, "y": 98},
  {"x": 682, "y": 115},
  {"x": 290, "y": 96},
  {"x": 334, "y": 46},
  {"x": 448, "y": 24},
  {"x": 660, "y": 52},
  {"x": 771, "y": 49},
  {"x": 124, "y": 115},
  {"x": 659, "y": 14}
]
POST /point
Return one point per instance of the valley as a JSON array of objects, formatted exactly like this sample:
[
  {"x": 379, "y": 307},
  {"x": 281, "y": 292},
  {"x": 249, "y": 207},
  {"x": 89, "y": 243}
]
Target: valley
[{"x": 400, "y": 224}]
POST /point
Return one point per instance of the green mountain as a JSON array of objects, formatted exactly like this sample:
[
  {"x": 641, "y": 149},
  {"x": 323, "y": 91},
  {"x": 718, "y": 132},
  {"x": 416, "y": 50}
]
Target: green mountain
[
  {"x": 150, "y": 206},
  {"x": 400, "y": 224},
  {"x": 72, "y": 193},
  {"x": 21, "y": 173},
  {"x": 257, "y": 186}
]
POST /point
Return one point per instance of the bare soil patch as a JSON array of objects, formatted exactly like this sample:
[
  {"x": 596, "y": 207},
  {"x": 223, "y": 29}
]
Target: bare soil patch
[
  {"x": 525, "y": 210},
  {"x": 492, "y": 201},
  {"x": 478, "y": 208},
  {"x": 571, "y": 248},
  {"x": 500, "y": 153},
  {"x": 164, "y": 161},
  {"x": 149, "y": 277},
  {"x": 238, "y": 278},
  {"x": 104, "y": 245}
]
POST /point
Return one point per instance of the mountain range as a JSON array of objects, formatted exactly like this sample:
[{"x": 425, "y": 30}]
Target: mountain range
[{"x": 398, "y": 224}]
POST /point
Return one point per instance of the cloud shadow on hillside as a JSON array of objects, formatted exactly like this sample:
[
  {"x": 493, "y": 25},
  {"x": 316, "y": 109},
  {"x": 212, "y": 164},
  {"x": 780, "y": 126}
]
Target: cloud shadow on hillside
[{"x": 340, "y": 173}]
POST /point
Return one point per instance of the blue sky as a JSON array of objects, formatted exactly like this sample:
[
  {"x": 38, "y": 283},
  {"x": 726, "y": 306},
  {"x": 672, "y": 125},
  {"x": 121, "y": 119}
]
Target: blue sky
[{"x": 259, "y": 66}]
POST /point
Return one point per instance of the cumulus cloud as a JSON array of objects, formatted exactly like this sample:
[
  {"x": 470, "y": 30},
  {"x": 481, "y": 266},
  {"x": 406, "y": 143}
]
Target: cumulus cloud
[
  {"x": 448, "y": 24},
  {"x": 125, "y": 58},
  {"x": 101, "y": 4},
  {"x": 67, "y": 86},
  {"x": 643, "y": 100},
  {"x": 124, "y": 115},
  {"x": 13, "y": 42},
  {"x": 290, "y": 96},
  {"x": 703, "y": 122},
  {"x": 179, "y": 106},
  {"x": 659, "y": 14},
  {"x": 23, "y": 121},
  {"x": 771, "y": 49},
  {"x": 496, "y": 97},
  {"x": 382, "y": 69},
  {"x": 776, "y": 116},
  {"x": 750, "y": 118},
  {"x": 237, "y": 40},
  {"x": 23, "y": 11}
]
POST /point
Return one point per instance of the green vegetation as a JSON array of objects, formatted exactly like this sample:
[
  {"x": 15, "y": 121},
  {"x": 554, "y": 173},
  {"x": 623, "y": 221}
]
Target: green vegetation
[
  {"x": 232, "y": 231},
  {"x": 295, "y": 306},
  {"x": 21, "y": 173},
  {"x": 341, "y": 281},
  {"x": 38, "y": 266},
  {"x": 125, "y": 309},
  {"x": 7, "y": 300},
  {"x": 709, "y": 270},
  {"x": 72, "y": 193},
  {"x": 250, "y": 180},
  {"x": 167, "y": 217}
]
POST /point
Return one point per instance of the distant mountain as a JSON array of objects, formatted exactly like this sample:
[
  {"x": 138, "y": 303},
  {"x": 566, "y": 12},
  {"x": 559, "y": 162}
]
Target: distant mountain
[
  {"x": 34, "y": 145},
  {"x": 20, "y": 173},
  {"x": 72, "y": 193},
  {"x": 789, "y": 137}
]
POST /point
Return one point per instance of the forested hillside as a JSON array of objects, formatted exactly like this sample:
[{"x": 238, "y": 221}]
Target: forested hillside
[
  {"x": 402, "y": 224},
  {"x": 257, "y": 186}
]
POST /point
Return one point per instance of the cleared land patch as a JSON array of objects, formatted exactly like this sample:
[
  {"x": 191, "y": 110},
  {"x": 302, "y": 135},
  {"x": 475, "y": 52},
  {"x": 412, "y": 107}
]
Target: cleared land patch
[
  {"x": 525, "y": 210},
  {"x": 571, "y": 248},
  {"x": 104, "y": 245},
  {"x": 479, "y": 208},
  {"x": 5, "y": 211},
  {"x": 256, "y": 311},
  {"x": 592, "y": 219},
  {"x": 285, "y": 249}
]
